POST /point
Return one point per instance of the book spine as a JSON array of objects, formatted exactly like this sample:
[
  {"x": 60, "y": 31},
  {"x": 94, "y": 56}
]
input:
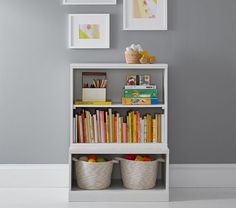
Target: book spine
[
  {"x": 121, "y": 129},
  {"x": 145, "y": 129},
  {"x": 149, "y": 128},
  {"x": 81, "y": 130},
  {"x": 142, "y": 130},
  {"x": 73, "y": 137},
  {"x": 124, "y": 133},
  {"x": 83, "y": 127},
  {"x": 79, "y": 102},
  {"x": 117, "y": 128},
  {"x": 138, "y": 132},
  {"x": 103, "y": 136},
  {"x": 154, "y": 130},
  {"x": 88, "y": 127},
  {"x": 162, "y": 133},
  {"x": 86, "y": 130},
  {"x": 134, "y": 127},
  {"x": 107, "y": 129},
  {"x": 91, "y": 129},
  {"x": 130, "y": 127},
  {"x": 113, "y": 128},
  {"x": 95, "y": 128},
  {"x": 110, "y": 125},
  {"x": 76, "y": 129},
  {"x": 99, "y": 126},
  {"x": 137, "y": 87}
]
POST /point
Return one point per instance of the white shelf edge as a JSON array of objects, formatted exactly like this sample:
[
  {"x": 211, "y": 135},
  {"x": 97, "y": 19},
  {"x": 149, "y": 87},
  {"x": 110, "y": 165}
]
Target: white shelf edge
[
  {"x": 120, "y": 106},
  {"x": 118, "y": 66},
  {"x": 119, "y": 148},
  {"x": 120, "y": 195}
]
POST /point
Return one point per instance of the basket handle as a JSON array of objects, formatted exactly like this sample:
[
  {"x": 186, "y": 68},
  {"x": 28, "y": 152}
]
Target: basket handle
[
  {"x": 75, "y": 159},
  {"x": 117, "y": 159},
  {"x": 161, "y": 160}
]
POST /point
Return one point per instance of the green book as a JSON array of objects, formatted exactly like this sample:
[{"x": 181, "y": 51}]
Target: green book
[{"x": 141, "y": 93}]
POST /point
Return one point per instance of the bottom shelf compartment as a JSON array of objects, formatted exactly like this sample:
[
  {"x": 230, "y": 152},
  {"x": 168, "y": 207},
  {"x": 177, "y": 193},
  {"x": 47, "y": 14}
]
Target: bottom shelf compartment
[{"x": 117, "y": 193}]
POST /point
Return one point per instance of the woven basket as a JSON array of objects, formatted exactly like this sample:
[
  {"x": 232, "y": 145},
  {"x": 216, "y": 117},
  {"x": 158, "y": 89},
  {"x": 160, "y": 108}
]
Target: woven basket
[
  {"x": 93, "y": 176},
  {"x": 139, "y": 175},
  {"x": 132, "y": 57}
]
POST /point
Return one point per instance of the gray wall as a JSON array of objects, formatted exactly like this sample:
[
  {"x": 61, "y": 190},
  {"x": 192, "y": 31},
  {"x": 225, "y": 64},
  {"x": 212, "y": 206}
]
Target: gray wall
[{"x": 200, "y": 47}]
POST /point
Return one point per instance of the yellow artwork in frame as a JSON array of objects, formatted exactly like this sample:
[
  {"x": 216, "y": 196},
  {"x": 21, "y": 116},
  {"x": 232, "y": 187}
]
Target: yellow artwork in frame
[{"x": 145, "y": 8}]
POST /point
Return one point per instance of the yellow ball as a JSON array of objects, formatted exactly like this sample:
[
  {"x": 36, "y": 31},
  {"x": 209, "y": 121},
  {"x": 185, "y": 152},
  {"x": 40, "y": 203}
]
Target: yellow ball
[
  {"x": 91, "y": 161},
  {"x": 139, "y": 158}
]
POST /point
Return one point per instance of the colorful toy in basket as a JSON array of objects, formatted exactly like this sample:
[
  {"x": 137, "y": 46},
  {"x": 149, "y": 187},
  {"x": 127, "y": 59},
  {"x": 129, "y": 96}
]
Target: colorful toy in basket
[
  {"x": 138, "y": 157},
  {"x": 135, "y": 54},
  {"x": 92, "y": 159}
]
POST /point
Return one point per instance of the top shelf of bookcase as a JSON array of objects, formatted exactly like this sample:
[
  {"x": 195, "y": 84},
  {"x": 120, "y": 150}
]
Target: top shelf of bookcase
[{"x": 118, "y": 66}]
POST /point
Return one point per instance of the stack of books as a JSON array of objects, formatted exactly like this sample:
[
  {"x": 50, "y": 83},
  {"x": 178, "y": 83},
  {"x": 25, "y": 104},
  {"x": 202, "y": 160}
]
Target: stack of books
[
  {"x": 112, "y": 127},
  {"x": 139, "y": 91}
]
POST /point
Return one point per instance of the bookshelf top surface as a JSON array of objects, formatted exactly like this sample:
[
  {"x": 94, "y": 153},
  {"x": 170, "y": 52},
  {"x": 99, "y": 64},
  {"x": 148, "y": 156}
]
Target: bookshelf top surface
[
  {"x": 117, "y": 66},
  {"x": 119, "y": 148},
  {"x": 120, "y": 106}
]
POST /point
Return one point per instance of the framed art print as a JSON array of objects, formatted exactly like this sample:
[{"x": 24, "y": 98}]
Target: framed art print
[
  {"x": 89, "y": 2},
  {"x": 89, "y": 31},
  {"x": 145, "y": 15}
]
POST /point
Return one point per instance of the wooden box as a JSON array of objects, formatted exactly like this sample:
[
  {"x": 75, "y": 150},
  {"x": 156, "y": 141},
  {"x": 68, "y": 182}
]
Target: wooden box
[{"x": 94, "y": 94}]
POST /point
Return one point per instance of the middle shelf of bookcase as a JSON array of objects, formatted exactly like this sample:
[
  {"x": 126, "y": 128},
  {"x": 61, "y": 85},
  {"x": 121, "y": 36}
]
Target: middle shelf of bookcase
[
  {"x": 119, "y": 148},
  {"x": 120, "y": 106}
]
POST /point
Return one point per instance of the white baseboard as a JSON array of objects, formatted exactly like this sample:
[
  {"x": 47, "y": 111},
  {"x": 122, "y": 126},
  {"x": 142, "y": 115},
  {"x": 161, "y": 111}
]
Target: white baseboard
[
  {"x": 56, "y": 176},
  {"x": 36, "y": 175},
  {"x": 203, "y": 175}
]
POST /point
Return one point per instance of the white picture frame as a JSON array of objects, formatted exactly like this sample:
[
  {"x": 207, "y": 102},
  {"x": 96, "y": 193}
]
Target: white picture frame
[
  {"x": 135, "y": 18},
  {"x": 89, "y": 2},
  {"x": 81, "y": 35}
]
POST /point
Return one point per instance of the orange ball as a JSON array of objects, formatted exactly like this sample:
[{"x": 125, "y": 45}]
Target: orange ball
[
  {"x": 94, "y": 157},
  {"x": 147, "y": 159}
]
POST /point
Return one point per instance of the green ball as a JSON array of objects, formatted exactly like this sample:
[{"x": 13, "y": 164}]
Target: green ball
[
  {"x": 100, "y": 159},
  {"x": 83, "y": 158}
]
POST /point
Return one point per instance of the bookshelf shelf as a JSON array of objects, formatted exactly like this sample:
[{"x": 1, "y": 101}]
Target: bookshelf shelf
[
  {"x": 120, "y": 106},
  {"x": 119, "y": 148},
  {"x": 116, "y": 73}
]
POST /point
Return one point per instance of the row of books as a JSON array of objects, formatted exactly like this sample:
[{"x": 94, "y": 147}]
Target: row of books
[{"x": 112, "y": 127}]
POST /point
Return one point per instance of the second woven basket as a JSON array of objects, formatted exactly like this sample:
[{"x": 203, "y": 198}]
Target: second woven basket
[{"x": 139, "y": 175}]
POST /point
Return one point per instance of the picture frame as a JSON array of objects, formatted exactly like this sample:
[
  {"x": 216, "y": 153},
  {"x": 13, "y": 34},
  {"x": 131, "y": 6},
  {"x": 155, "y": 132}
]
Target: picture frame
[
  {"x": 89, "y": 31},
  {"x": 89, "y": 2},
  {"x": 145, "y": 15}
]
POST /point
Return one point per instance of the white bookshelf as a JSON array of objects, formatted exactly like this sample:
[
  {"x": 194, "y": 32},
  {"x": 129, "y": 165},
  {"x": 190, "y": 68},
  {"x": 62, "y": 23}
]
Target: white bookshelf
[{"x": 117, "y": 192}]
